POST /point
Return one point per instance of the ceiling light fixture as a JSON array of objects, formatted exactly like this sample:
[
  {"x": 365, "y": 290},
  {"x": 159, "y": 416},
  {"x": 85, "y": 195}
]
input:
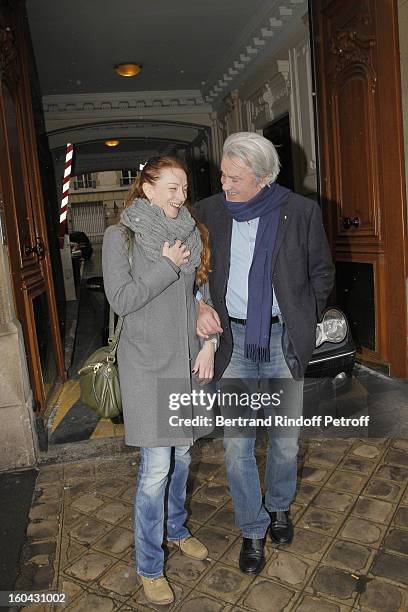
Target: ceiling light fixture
[
  {"x": 128, "y": 70},
  {"x": 111, "y": 143}
]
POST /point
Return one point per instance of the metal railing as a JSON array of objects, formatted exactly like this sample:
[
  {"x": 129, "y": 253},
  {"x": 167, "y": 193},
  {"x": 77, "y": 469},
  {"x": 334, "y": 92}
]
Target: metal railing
[{"x": 88, "y": 217}]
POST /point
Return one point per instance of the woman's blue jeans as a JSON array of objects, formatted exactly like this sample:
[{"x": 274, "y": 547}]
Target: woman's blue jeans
[
  {"x": 251, "y": 514},
  {"x": 159, "y": 505}
]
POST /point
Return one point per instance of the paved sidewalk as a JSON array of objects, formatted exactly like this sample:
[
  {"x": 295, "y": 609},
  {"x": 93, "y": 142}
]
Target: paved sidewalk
[
  {"x": 16, "y": 492},
  {"x": 350, "y": 550}
]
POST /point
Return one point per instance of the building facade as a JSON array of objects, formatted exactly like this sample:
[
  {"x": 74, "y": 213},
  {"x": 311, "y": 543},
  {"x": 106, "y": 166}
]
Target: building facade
[{"x": 331, "y": 104}]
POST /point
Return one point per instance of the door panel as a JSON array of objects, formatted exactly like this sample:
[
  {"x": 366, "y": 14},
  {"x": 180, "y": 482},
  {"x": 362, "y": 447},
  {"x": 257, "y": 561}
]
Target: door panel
[
  {"x": 362, "y": 182},
  {"x": 17, "y": 176},
  {"x": 23, "y": 209},
  {"x": 354, "y": 133}
]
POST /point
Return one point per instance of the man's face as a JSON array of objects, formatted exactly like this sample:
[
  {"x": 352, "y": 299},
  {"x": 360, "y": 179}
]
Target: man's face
[{"x": 238, "y": 181}]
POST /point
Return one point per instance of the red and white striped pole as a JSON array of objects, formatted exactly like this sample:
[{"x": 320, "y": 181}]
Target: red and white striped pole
[
  {"x": 63, "y": 226},
  {"x": 65, "y": 247}
]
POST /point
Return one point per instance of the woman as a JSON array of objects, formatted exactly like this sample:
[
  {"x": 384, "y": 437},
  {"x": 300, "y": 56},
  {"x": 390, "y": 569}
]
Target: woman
[{"x": 151, "y": 262}]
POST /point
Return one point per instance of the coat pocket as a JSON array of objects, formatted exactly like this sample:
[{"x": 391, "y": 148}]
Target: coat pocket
[
  {"x": 298, "y": 254},
  {"x": 134, "y": 325}
]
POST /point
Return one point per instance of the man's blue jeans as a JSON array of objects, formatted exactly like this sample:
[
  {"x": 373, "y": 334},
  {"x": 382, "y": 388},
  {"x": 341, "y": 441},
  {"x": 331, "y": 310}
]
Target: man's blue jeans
[
  {"x": 159, "y": 505},
  {"x": 251, "y": 515}
]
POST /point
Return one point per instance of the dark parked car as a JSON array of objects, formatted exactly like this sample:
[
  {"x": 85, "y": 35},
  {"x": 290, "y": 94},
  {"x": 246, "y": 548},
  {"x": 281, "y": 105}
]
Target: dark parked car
[
  {"x": 83, "y": 244},
  {"x": 331, "y": 365}
]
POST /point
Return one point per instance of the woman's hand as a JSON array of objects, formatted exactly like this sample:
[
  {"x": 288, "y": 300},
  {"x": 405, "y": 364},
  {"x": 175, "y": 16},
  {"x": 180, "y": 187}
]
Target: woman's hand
[
  {"x": 177, "y": 253},
  {"x": 204, "y": 363}
]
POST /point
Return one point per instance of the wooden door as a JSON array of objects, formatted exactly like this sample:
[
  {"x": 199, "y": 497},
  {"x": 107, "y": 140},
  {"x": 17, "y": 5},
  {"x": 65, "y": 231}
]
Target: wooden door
[
  {"x": 23, "y": 210},
  {"x": 362, "y": 180}
]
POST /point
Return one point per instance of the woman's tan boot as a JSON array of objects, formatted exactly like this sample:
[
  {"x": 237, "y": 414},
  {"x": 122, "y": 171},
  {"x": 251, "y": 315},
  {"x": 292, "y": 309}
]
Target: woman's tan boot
[
  {"x": 157, "y": 590},
  {"x": 191, "y": 547}
]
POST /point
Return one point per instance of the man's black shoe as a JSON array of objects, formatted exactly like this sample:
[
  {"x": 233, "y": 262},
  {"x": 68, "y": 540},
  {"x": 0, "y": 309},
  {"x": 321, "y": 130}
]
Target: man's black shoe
[
  {"x": 281, "y": 528},
  {"x": 251, "y": 558}
]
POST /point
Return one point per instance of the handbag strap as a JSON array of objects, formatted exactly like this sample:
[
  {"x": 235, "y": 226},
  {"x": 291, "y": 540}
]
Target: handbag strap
[
  {"x": 113, "y": 340},
  {"x": 111, "y": 322}
]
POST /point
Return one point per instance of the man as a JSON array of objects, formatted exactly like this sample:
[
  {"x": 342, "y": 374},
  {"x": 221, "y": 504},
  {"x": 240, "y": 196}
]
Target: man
[{"x": 272, "y": 274}]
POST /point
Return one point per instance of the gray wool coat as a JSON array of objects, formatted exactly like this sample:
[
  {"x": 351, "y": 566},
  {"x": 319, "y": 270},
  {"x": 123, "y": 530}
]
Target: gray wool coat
[{"x": 158, "y": 341}]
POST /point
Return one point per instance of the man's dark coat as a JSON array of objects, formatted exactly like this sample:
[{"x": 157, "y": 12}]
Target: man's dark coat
[{"x": 302, "y": 275}]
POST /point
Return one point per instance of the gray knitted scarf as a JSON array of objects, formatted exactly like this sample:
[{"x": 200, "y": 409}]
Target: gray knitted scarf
[{"x": 152, "y": 229}]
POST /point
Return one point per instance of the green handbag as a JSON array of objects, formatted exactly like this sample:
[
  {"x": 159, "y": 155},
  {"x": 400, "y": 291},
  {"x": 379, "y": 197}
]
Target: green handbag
[{"x": 99, "y": 379}]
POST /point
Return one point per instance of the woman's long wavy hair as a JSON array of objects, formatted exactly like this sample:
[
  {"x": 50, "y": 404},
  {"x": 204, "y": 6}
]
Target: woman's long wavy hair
[{"x": 150, "y": 173}]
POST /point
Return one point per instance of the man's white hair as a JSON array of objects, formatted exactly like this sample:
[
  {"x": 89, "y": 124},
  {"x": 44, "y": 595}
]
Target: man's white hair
[{"x": 256, "y": 152}]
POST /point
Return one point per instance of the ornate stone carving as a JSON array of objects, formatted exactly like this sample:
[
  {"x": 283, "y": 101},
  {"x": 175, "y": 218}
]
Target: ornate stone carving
[
  {"x": 125, "y": 102},
  {"x": 269, "y": 99},
  {"x": 8, "y": 53},
  {"x": 256, "y": 41},
  {"x": 263, "y": 102},
  {"x": 284, "y": 70}
]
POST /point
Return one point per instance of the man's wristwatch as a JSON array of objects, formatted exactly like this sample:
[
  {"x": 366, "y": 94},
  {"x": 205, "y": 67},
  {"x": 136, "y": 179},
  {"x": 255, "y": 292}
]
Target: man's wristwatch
[{"x": 214, "y": 341}]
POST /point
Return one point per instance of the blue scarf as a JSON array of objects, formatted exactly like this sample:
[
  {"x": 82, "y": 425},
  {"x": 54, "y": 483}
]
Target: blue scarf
[{"x": 266, "y": 204}]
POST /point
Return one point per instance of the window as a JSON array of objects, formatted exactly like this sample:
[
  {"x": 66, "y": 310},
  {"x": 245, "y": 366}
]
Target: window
[
  {"x": 128, "y": 176},
  {"x": 84, "y": 181},
  {"x": 89, "y": 217}
]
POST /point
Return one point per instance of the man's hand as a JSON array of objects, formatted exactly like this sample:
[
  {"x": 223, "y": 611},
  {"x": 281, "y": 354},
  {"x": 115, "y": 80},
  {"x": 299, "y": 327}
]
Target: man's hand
[{"x": 208, "y": 321}]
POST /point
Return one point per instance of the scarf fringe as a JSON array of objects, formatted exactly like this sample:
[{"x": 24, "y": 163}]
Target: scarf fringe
[{"x": 257, "y": 353}]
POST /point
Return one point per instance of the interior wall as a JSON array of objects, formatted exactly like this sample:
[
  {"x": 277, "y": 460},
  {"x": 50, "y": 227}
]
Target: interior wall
[{"x": 282, "y": 85}]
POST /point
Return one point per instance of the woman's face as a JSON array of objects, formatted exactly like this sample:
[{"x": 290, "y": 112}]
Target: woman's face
[{"x": 169, "y": 191}]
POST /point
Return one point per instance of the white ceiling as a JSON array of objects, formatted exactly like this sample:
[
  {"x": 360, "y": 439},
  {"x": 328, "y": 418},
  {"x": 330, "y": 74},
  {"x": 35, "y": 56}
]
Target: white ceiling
[
  {"x": 183, "y": 45},
  {"x": 193, "y": 53}
]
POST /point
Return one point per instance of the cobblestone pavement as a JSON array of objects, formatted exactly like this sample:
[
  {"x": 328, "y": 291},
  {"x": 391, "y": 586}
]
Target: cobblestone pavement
[{"x": 350, "y": 550}]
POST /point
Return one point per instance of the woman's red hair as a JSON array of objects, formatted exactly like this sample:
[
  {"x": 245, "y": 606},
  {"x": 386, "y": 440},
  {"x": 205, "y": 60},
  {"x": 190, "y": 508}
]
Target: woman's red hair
[{"x": 150, "y": 173}]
